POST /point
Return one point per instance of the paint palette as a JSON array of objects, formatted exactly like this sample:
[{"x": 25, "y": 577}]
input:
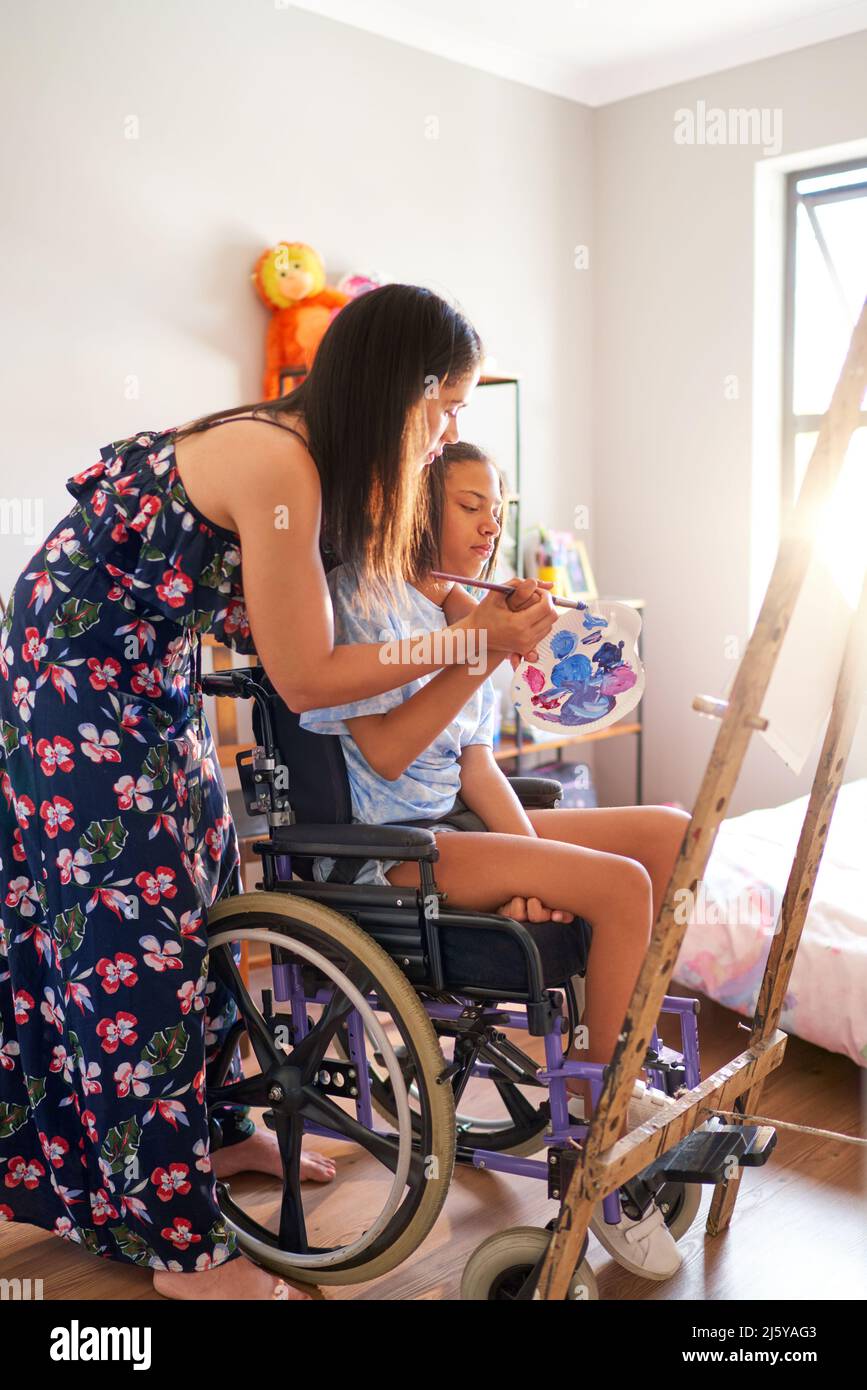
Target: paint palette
[{"x": 589, "y": 673}]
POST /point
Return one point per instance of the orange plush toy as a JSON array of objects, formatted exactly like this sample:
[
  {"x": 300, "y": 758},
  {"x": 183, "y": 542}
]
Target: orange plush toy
[{"x": 290, "y": 280}]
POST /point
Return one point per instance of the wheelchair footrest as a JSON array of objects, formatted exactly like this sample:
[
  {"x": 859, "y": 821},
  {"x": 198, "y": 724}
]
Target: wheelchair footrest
[{"x": 705, "y": 1155}]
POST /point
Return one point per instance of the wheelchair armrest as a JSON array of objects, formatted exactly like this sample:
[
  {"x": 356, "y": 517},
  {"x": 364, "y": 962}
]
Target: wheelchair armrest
[
  {"x": 537, "y": 793},
  {"x": 236, "y": 682},
  {"x": 357, "y": 841}
]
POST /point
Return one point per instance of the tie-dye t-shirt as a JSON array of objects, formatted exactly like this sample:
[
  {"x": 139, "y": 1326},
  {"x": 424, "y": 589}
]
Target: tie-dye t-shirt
[{"x": 428, "y": 787}]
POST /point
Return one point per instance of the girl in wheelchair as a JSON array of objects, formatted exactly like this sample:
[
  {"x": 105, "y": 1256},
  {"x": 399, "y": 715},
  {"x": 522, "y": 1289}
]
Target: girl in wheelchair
[{"x": 423, "y": 753}]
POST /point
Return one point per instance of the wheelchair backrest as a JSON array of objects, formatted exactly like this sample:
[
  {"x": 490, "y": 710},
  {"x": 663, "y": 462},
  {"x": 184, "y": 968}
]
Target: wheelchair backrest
[{"x": 318, "y": 785}]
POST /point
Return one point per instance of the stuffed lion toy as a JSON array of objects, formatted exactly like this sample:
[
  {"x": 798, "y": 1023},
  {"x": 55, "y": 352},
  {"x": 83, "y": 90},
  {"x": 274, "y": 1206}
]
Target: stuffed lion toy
[{"x": 290, "y": 280}]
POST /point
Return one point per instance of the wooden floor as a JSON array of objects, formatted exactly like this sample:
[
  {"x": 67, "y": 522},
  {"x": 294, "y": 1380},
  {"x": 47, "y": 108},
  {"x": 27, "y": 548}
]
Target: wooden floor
[{"x": 798, "y": 1229}]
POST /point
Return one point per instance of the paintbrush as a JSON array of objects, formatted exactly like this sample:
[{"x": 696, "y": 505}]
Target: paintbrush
[{"x": 503, "y": 588}]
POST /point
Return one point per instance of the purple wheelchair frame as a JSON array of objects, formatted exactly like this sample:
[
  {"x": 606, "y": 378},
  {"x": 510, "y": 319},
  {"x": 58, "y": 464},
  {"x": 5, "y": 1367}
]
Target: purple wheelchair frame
[{"x": 289, "y": 989}]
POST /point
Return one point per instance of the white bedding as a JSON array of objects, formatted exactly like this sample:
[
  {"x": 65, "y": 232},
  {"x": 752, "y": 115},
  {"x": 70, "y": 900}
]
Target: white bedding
[{"x": 744, "y": 884}]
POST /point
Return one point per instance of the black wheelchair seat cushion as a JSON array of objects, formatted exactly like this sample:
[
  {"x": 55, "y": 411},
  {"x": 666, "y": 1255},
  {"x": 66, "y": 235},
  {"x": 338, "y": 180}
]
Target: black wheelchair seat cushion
[{"x": 473, "y": 960}]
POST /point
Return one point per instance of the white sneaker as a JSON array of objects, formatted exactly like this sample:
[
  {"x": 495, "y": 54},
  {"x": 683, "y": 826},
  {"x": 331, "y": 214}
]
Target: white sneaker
[{"x": 645, "y": 1247}]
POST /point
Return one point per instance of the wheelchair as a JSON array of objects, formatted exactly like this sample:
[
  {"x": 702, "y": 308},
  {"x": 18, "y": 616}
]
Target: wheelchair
[{"x": 388, "y": 1023}]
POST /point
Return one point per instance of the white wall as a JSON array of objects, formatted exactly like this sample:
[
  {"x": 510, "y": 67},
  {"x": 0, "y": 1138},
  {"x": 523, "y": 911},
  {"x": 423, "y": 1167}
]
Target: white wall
[
  {"x": 131, "y": 257},
  {"x": 673, "y": 286}
]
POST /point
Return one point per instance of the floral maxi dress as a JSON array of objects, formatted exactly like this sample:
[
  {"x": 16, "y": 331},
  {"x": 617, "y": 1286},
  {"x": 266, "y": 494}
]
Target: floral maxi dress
[{"x": 115, "y": 838}]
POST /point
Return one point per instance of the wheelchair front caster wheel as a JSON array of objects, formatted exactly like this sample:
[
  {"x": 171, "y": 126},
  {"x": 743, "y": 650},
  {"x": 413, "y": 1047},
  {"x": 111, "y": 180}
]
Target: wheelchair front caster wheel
[
  {"x": 497, "y": 1270},
  {"x": 679, "y": 1203}
]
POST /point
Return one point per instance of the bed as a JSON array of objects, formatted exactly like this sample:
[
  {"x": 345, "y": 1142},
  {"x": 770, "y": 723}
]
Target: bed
[{"x": 731, "y": 926}]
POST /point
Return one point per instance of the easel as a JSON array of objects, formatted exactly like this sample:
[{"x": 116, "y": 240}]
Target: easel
[{"x": 604, "y": 1164}]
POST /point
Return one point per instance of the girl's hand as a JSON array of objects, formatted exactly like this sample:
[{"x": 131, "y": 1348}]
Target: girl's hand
[
  {"x": 517, "y": 622},
  {"x": 532, "y": 910}
]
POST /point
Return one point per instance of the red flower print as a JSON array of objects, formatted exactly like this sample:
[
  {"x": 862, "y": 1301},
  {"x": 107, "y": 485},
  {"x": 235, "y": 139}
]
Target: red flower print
[
  {"x": 112, "y": 898},
  {"x": 100, "y": 748},
  {"x": 134, "y": 793},
  {"x": 236, "y": 618},
  {"x": 180, "y": 781},
  {"x": 23, "y": 698},
  {"x": 62, "y": 680},
  {"x": 23, "y": 896},
  {"x": 50, "y": 1011},
  {"x": 74, "y": 865},
  {"x": 42, "y": 589},
  {"x": 18, "y": 846},
  {"x": 88, "y": 1120},
  {"x": 55, "y": 1149},
  {"x": 23, "y": 1003},
  {"x": 136, "y": 1079},
  {"x": 103, "y": 673},
  {"x": 20, "y": 1170},
  {"x": 117, "y": 972},
  {"x": 101, "y": 1207},
  {"x": 168, "y": 1181},
  {"x": 147, "y": 680},
  {"x": 148, "y": 507},
  {"x": 175, "y": 587},
  {"x": 159, "y": 957},
  {"x": 93, "y": 470},
  {"x": 6, "y": 1212},
  {"x": 191, "y": 995},
  {"x": 180, "y": 1233},
  {"x": 122, "y": 582},
  {"x": 55, "y": 755},
  {"x": 169, "y": 1110},
  {"x": 160, "y": 883},
  {"x": 24, "y": 809},
  {"x": 34, "y": 646},
  {"x": 56, "y": 815},
  {"x": 115, "y": 1031}
]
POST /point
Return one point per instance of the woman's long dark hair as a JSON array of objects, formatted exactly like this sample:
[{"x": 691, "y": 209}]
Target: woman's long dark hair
[
  {"x": 362, "y": 406},
  {"x": 427, "y": 551}
]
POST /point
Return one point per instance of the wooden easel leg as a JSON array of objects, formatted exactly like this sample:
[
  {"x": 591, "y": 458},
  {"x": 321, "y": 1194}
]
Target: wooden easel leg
[
  {"x": 725, "y": 1194},
  {"x": 571, "y": 1229}
]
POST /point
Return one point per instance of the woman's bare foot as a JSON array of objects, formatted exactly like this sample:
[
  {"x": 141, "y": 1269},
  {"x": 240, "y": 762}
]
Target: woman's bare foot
[
  {"x": 239, "y": 1278},
  {"x": 261, "y": 1154}
]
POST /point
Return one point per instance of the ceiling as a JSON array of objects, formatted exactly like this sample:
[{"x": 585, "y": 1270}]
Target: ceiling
[{"x": 597, "y": 51}]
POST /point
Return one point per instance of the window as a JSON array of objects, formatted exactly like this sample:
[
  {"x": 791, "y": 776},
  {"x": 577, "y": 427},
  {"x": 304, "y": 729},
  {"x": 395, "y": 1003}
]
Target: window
[{"x": 826, "y": 288}]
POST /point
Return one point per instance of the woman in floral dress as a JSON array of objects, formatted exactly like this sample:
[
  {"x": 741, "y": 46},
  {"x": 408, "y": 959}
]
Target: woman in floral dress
[{"x": 115, "y": 834}]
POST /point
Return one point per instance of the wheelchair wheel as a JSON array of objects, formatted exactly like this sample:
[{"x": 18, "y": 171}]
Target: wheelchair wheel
[
  {"x": 401, "y": 1178},
  {"x": 679, "y": 1203},
  {"x": 498, "y": 1268}
]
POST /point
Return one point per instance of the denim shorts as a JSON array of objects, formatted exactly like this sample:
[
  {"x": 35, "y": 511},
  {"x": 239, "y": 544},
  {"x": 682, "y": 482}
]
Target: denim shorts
[{"x": 373, "y": 871}]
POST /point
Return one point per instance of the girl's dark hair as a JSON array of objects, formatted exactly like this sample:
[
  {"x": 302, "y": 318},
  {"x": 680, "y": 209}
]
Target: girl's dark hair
[
  {"x": 427, "y": 553},
  {"x": 362, "y": 402}
]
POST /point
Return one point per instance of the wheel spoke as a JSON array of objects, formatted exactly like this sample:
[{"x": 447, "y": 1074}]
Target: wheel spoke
[
  {"x": 251, "y": 1090},
  {"x": 267, "y": 1052},
  {"x": 293, "y": 1228},
  {"x": 522, "y": 1112},
  {"x": 323, "y": 1111}
]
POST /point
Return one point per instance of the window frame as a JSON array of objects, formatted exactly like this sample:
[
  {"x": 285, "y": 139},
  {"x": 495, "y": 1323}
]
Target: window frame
[{"x": 793, "y": 424}]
